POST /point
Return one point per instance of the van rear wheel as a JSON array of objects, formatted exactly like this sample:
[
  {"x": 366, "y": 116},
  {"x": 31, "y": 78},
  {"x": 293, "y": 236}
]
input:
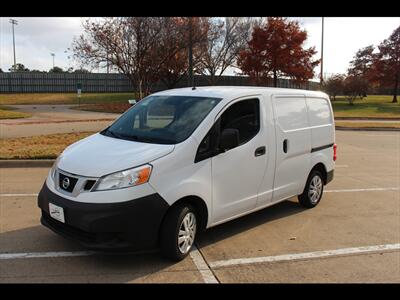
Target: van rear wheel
[
  {"x": 178, "y": 232},
  {"x": 313, "y": 190}
]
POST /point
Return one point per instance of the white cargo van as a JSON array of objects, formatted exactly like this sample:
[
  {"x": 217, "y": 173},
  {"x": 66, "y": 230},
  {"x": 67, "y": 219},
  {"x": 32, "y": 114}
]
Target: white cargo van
[{"x": 184, "y": 160}]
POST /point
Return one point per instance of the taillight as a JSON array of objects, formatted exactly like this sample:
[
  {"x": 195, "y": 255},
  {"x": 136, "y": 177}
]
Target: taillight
[{"x": 334, "y": 152}]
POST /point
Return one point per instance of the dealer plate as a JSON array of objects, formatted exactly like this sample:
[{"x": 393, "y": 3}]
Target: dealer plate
[{"x": 56, "y": 212}]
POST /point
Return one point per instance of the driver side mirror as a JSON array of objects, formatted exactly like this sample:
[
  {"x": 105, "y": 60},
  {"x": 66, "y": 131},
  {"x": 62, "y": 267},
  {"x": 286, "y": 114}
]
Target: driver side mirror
[
  {"x": 132, "y": 102},
  {"x": 229, "y": 139}
]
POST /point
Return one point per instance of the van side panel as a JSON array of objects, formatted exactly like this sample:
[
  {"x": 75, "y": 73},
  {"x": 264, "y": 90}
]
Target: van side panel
[
  {"x": 321, "y": 122},
  {"x": 322, "y": 131},
  {"x": 292, "y": 126}
]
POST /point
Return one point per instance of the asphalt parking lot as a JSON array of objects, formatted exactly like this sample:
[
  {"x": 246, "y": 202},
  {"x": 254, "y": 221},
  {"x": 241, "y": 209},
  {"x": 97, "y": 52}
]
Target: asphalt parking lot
[{"x": 353, "y": 235}]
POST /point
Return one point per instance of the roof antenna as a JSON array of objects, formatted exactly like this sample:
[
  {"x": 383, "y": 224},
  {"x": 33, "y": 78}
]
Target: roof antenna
[{"x": 193, "y": 85}]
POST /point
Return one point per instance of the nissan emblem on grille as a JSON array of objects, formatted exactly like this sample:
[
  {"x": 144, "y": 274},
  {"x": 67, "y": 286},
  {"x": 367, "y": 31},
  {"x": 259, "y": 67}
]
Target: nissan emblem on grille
[{"x": 65, "y": 183}]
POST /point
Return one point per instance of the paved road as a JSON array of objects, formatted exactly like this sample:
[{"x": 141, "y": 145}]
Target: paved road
[
  {"x": 59, "y": 112},
  {"x": 361, "y": 208},
  {"x": 50, "y": 119}
]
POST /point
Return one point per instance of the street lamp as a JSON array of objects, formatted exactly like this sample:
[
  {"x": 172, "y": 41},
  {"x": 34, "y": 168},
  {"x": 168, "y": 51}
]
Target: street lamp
[
  {"x": 190, "y": 46},
  {"x": 53, "y": 54},
  {"x": 14, "y": 22},
  {"x": 322, "y": 53}
]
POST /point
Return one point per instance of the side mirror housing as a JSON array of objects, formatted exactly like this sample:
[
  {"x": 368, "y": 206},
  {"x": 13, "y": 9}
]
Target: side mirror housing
[
  {"x": 229, "y": 139},
  {"x": 132, "y": 101}
]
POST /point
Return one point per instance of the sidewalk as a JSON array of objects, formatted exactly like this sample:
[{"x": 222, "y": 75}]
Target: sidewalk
[
  {"x": 51, "y": 119},
  {"x": 53, "y": 113}
]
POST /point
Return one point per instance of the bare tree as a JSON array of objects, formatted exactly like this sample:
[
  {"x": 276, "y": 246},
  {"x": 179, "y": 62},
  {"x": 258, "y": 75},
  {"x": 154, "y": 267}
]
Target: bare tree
[
  {"x": 145, "y": 49},
  {"x": 334, "y": 85},
  {"x": 225, "y": 39},
  {"x": 353, "y": 87},
  {"x": 174, "y": 41},
  {"x": 128, "y": 44}
]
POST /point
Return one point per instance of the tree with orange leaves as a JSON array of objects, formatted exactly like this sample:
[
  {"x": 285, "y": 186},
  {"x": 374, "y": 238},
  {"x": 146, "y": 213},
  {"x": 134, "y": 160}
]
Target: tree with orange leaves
[
  {"x": 276, "y": 49},
  {"x": 386, "y": 66}
]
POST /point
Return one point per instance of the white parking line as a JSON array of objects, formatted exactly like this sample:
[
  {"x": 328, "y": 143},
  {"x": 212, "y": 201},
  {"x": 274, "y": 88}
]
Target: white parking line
[
  {"x": 18, "y": 195},
  {"x": 44, "y": 254},
  {"x": 303, "y": 256},
  {"x": 202, "y": 266},
  {"x": 197, "y": 258}
]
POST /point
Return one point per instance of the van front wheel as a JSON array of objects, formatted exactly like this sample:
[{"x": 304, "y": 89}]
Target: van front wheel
[
  {"x": 178, "y": 232},
  {"x": 313, "y": 190}
]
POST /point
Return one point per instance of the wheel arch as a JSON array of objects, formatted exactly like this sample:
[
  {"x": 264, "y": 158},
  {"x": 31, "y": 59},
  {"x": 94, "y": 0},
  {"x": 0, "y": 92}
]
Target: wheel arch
[
  {"x": 199, "y": 205},
  {"x": 322, "y": 169}
]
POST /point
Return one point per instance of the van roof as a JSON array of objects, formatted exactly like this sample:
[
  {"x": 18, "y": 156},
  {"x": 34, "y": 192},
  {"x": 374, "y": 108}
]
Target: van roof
[{"x": 235, "y": 91}]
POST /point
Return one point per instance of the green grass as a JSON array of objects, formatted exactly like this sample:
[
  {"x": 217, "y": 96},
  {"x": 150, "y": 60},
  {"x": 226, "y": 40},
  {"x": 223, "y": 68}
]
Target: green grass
[
  {"x": 65, "y": 98},
  {"x": 9, "y": 113},
  {"x": 377, "y": 106},
  {"x": 38, "y": 147}
]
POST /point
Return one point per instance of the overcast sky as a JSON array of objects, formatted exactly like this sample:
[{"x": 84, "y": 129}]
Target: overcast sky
[{"x": 36, "y": 38}]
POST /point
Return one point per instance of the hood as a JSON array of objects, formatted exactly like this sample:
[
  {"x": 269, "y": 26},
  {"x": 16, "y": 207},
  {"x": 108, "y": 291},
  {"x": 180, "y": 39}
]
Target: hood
[{"x": 98, "y": 155}]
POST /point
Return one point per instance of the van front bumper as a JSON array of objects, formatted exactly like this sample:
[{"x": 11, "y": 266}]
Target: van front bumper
[{"x": 130, "y": 225}]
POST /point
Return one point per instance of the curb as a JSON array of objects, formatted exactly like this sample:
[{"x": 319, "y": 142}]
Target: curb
[
  {"x": 54, "y": 121},
  {"x": 367, "y": 118},
  {"x": 367, "y": 128},
  {"x": 26, "y": 163}
]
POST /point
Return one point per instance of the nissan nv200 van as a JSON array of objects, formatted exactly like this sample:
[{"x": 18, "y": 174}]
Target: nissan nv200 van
[{"x": 184, "y": 160}]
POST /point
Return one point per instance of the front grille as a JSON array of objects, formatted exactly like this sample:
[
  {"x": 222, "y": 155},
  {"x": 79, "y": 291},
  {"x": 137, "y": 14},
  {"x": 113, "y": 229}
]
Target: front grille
[{"x": 63, "y": 179}]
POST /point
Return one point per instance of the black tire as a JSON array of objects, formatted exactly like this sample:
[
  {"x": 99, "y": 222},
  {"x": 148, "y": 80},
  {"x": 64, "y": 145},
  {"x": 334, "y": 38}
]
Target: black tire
[
  {"x": 170, "y": 230},
  {"x": 305, "y": 199}
]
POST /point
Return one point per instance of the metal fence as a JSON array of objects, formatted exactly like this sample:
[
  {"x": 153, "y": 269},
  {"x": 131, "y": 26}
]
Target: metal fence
[{"x": 25, "y": 82}]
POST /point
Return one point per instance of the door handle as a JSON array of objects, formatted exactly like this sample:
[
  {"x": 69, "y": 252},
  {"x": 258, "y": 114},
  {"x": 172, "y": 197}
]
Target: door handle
[
  {"x": 260, "y": 151},
  {"x": 285, "y": 142}
]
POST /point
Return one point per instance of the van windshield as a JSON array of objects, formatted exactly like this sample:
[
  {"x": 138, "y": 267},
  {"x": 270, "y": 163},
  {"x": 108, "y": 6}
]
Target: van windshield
[{"x": 162, "y": 119}]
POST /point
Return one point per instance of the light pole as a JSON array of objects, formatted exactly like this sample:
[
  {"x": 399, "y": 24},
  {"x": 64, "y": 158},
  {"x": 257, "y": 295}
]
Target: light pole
[
  {"x": 14, "y": 22},
  {"x": 322, "y": 53},
  {"x": 108, "y": 66},
  {"x": 190, "y": 77},
  {"x": 53, "y": 54}
]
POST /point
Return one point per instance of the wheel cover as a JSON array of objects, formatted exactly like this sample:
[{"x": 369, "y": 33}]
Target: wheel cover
[
  {"x": 187, "y": 233},
  {"x": 315, "y": 189}
]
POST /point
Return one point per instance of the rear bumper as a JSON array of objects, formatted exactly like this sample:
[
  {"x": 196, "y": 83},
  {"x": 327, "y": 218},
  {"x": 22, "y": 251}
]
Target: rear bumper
[
  {"x": 329, "y": 176},
  {"x": 131, "y": 225}
]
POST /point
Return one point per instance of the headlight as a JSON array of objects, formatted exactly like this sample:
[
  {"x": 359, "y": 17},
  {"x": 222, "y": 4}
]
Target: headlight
[
  {"x": 124, "y": 179},
  {"x": 54, "y": 168}
]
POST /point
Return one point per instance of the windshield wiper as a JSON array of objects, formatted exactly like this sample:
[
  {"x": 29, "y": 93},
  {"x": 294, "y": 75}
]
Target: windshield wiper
[
  {"x": 137, "y": 138},
  {"x": 146, "y": 139},
  {"x": 108, "y": 132},
  {"x": 130, "y": 137}
]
